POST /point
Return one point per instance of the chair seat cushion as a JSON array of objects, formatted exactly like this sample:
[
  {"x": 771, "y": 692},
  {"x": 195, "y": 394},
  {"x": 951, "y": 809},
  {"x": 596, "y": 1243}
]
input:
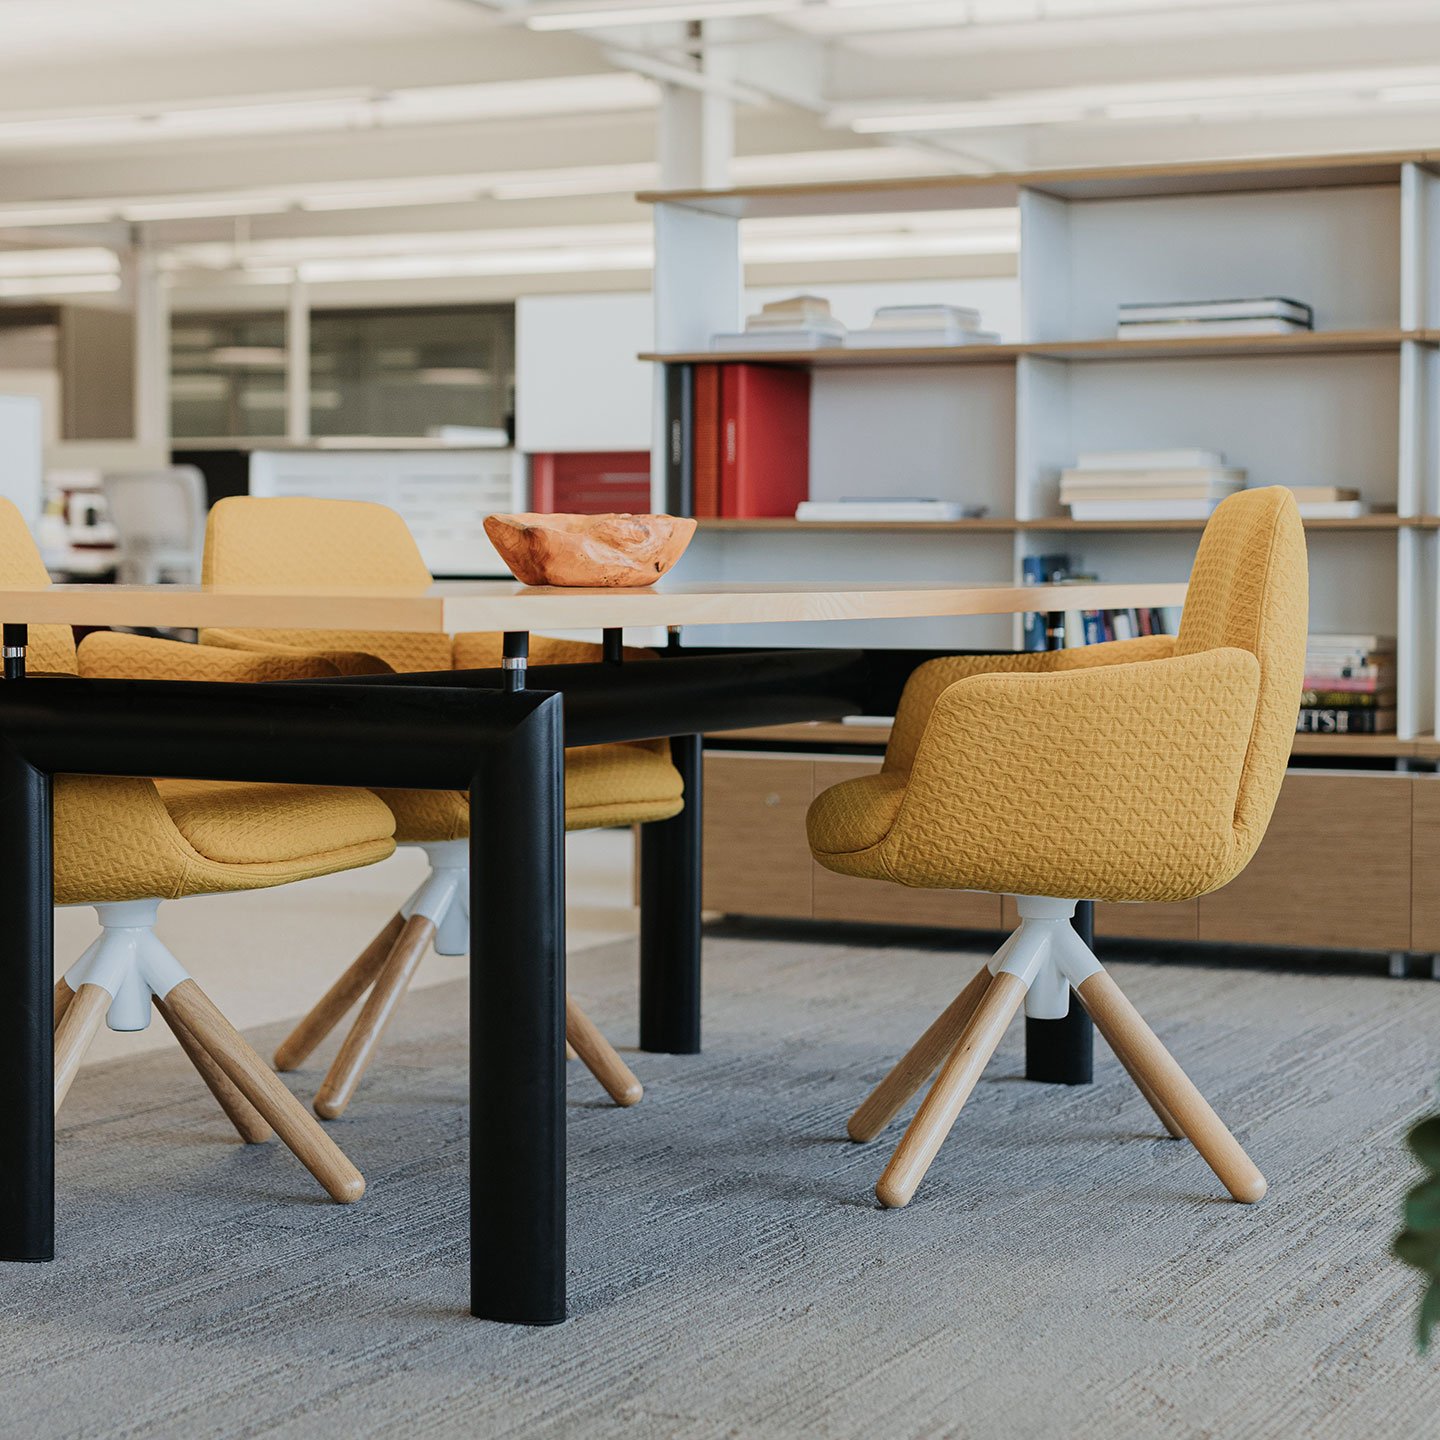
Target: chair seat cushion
[
  {"x": 118, "y": 838},
  {"x": 850, "y": 818},
  {"x": 624, "y": 784},
  {"x": 235, "y": 824}
]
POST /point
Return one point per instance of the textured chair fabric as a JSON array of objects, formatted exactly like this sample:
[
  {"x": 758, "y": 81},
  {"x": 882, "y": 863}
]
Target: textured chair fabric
[
  {"x": 323, "y": 544},
  {"x": 118, "y": 838},
  {"x": 1140, "y": 770}
]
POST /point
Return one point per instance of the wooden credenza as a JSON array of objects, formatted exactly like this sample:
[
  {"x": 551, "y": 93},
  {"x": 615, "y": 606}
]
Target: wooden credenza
[{"x": 1351, "y": 861}]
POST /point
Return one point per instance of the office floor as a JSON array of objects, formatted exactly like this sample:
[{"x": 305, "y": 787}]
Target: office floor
[{"x": 1064, "y": 1270}]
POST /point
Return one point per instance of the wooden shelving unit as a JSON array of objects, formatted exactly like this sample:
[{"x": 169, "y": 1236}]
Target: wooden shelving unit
[
  {"x": 1311, "y": 342},
  {"x": 1352, "y": 858}
]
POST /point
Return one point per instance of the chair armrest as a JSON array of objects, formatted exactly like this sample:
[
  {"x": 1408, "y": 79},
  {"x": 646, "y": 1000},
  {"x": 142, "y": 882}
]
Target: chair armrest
[
  {"x": 108, "y": 655},
  {"x": 346, "y": 662},
  {"x": 930, "y": 679},
  {"x": 1116, "y": 782}
]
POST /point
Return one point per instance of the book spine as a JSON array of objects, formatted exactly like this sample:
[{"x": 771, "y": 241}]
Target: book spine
[
  {"x": 707, "y": 440},
  {"x": 1345, "y": 722},
  {"x": 679, "y": 447},
  {"x": 1357, "y": 680},
  {"x": 1346, "y": 699},
  {"x": 1094, "y": 627}
]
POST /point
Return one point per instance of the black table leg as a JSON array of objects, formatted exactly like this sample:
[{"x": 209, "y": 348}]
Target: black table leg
[
  {"x": 27, "y": 957},
  {"x": 517, "y": 1025},
  {"x": 670, "y": 867},
  {"x": 1062, "y": 1052}
]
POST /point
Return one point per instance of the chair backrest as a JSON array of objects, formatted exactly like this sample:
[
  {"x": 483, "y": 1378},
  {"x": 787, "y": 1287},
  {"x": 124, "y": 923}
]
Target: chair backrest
[
  {"x": 309, "y": 544},
  {"x": 51, "y": 648},
  {"x": 160, "y": 518},
  {"x": 1249, "y": 590}
]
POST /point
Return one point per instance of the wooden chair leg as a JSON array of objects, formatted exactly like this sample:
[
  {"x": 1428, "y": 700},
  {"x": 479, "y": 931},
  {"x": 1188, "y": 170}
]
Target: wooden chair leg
[
  {"x": 1102, "y": 1024},
  {"x": 570, "y": 1052},
  {"x": 300, "y": 1131},
  {"x": 1150, "y": 1061},
  {"x": 246, "y": 1119},
  {"x": 938, "y": 1111},
  {"x": 83, "y": 1017},
  {"x": 600, "y": 1056},
  {"x": 63, "y": 996},
  {"x": 918, "y": 1063},
  {"x": 330, "y": 1009},
  {"x": 343, "y": 1077}
]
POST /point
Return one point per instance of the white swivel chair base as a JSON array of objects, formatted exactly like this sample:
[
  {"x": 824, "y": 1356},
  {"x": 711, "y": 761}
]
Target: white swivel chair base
[
  {"x": 1037, "y": 967},
  {"x": 118, "y": 978},
  {"x": 440, "y": 911}
]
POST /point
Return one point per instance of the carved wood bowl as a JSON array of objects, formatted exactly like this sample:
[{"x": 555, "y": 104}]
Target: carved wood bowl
[{"x": 611, "y": 550}]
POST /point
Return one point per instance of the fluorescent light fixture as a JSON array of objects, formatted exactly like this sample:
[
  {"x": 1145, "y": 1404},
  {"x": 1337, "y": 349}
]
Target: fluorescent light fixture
[
  {"x": 77, "y": 260},
  {"x": 22, "y": 285},
  {"x": 201, "y": 207},
  {"x": 607, "y": 92},
  {"x": 602, "y": 17},
  {"x": 1299, "y": 92}
]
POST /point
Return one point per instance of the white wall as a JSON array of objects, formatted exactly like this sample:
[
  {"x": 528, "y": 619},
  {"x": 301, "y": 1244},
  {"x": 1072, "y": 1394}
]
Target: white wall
[{"x": 578, "y": 385}]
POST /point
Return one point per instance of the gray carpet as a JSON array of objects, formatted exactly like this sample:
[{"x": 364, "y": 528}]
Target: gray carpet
[{"x": 1063, "y": 1272}]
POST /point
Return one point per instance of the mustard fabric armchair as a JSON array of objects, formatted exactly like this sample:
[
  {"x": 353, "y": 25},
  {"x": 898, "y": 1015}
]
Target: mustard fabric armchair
[
  {"x": 325, "y": 544},
  {"x": 124, "y": 845},
  {"x": 1140, "y": 770}
]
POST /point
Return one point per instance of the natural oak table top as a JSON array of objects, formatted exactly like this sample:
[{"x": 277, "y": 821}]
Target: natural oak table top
[{"x": 451, "y": 607}]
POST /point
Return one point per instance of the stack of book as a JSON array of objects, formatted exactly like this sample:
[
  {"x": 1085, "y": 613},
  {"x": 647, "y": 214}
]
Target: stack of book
[
  {"x": 1088, "y": 627},
  {"x": 917, "y": 326},
  {"x": 1328, "y": 502},
  {"x": 1147, "y": 484},
  {"x": 1202, "y": 319},
  {"x": 803, "y": 322},
  {"x": 881, "y": 508},
  {"x": 1349, "y": 686}
]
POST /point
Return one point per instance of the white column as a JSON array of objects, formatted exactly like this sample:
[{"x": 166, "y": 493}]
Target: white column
[
  {"x": 150, "y": 305},
  {"x": 297, "y": 361},
  {"x": 696, "y": 136}
]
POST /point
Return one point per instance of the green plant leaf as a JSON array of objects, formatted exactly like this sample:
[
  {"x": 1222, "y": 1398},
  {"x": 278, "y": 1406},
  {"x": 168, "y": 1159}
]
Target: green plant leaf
[
  {"x": 1429, "y": 1315},
  {"x": 1425, "y": 1142},
  {"x": 1420, "y": 1248},
  {"x": 1422, "y": 1206}
]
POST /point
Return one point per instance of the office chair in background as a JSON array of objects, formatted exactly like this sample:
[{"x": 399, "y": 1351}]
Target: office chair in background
[{"x": 159, "y": 517}]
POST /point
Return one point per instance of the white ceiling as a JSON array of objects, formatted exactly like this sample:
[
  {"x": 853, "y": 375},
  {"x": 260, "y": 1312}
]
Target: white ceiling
[{"x": 226, "y": 126}]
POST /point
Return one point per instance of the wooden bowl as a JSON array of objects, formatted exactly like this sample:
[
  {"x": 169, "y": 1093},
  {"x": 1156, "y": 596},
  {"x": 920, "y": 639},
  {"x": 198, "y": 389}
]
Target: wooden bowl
[{"x": 611, "y": 550}]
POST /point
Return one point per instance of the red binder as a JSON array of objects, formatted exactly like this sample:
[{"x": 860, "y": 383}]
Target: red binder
[
  {"x": 765, "y": 440},
  {"x": 594, "y": 483},
  {"x": 707, "y": 441}
]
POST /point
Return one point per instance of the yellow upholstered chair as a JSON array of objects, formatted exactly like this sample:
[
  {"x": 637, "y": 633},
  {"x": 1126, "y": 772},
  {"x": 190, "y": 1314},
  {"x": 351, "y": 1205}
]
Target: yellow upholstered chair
[
  {"x": 1140, "y": 770},
  {"x": 124, "y": 845},
  {"x": 319, "y": 544}
]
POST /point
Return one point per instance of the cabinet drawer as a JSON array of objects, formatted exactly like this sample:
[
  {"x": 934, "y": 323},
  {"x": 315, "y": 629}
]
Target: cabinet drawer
[
  {"x": 843, "y": 897},
  {"x": 1332, "y": 872},
  {"x": 757, "y": 859}
]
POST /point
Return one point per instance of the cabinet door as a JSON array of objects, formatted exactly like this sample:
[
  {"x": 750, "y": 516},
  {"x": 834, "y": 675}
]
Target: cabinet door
[
  {"x": 1425, "y": 863},
  {"x": 1333, "y": 870},
  {"x": 843, "y": 897},
  {"x": 757, "y": 859}
]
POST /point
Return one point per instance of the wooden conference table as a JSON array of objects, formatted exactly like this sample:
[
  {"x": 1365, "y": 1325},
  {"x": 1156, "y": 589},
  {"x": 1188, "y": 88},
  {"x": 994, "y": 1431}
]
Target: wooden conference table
[{"x": 498, "y": 734}]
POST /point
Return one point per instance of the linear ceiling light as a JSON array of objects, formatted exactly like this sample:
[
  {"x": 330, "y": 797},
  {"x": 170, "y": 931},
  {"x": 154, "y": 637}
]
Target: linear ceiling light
[
  {"x": 603, "y": 17},
  {"x": 609, "y": 91}
]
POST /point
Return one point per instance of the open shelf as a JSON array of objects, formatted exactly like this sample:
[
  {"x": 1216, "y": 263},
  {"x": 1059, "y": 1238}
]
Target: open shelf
[
  {"x": 889, "y": 527},
  {"x": 838, "y": 357},
  {"x": 1303, "y": 342},
  {"x": 833, "y": 732},
  {"x": 1001, "y": 525}
]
